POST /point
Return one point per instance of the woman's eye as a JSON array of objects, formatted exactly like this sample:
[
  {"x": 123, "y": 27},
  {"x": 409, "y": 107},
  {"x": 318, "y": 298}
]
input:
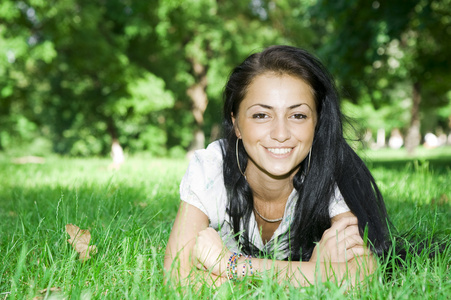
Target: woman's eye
[
  {"x": 259, "y": 116},
  {"x": 299, "y": 116}
]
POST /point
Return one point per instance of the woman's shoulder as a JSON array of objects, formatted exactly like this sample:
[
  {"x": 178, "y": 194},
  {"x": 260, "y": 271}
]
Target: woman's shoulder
[
  {"x": 337, "y": 204},
  {"x": 210, "y": 155},
  {"x": 207, "y": 163},
  {"x": 203, "y": 183}
]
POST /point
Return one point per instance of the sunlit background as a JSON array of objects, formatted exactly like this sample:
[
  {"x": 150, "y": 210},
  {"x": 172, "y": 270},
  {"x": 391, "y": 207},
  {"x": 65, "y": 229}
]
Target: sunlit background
[{"x": 76, "y": 75}]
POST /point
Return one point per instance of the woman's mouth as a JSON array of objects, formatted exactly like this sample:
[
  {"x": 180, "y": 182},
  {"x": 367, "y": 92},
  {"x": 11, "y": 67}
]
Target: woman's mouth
[{"x": 280, "y": 151}]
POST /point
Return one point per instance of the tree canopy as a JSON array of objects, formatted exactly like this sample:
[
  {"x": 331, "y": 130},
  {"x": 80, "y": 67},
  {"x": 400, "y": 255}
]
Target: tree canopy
[
  {"x": 76, "y": 74},
  {"x": 391, "y": 52}
]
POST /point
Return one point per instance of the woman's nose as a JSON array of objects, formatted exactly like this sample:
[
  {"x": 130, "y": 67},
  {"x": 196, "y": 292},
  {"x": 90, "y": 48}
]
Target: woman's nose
[{"x": 280, "y": 131}]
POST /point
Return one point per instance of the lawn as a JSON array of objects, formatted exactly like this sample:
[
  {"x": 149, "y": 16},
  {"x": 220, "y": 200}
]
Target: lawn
[{"x": 129, "y": 214}]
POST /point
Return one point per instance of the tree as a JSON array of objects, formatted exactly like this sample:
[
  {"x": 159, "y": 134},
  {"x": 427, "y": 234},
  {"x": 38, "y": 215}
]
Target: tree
[
  {"x": 74, "y": 79},
  {"x": 202, "y": 41},
  {"x": 99, "y": 70},
  {"x": 377, "y": 47}
]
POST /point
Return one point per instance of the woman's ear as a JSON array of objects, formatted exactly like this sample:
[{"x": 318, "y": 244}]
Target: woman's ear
[{"x": 235, "y": 127}]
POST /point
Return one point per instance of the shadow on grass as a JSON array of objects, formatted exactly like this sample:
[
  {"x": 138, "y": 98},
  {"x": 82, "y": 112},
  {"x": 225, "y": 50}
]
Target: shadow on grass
[
  {"x": 437, "y": 160},
  {"x": 436, "y": 164}
]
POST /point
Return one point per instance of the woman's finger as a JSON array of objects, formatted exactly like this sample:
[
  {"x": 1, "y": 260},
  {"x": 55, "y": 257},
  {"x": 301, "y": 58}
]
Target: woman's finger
[
  {"x": 336, "y": 249},
  {"x": 345, "y": 243},
  {"x": 353, "y": 253},
  {"x": 349, "y": 233},
  {"x": 339, "y": 226},
  {"x": 210, "y": 250}
]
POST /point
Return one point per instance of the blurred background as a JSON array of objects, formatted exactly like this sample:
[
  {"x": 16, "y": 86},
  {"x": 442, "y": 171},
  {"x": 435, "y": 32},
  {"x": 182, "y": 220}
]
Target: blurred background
[{"x": 78, "y": 76}]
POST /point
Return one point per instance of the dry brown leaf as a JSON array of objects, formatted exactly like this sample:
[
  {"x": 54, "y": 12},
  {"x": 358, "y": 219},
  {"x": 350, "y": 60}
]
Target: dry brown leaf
[
  {"x": 79, "y": 239},
  {"x": 52, "y": 289},
  {"x": 54, "y": 293},
  {"x": 29, "y": 160},
  {"x": 444, "y": 199}
]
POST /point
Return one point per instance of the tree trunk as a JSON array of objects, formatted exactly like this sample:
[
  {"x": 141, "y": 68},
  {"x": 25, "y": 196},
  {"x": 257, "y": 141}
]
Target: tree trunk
[
  {"x": 117, "y": 153},
  {"x": 413, "y": 137},
  {"x": 199, "y": 99}
]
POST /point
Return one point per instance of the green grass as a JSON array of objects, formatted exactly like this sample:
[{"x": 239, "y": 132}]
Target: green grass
[{"x": 130, "y": 213}]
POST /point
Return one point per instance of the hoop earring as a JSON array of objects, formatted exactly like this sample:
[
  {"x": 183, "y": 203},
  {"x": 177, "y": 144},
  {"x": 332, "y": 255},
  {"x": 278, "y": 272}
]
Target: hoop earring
[
  {"x": 309, "y": 156},
  {"x": 238, "y": 159}
]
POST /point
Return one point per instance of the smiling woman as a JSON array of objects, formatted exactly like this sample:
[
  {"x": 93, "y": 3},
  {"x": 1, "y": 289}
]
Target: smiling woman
[
  {"x": 276, "y": 125},
  {"x": 282, "y": 184}
]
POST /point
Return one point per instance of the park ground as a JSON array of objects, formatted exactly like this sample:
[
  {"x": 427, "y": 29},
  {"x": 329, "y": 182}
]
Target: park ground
[{"x": 129, "y": 213}]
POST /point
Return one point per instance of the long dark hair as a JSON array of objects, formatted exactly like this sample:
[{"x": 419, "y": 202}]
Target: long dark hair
[{"x": 333, "y": 161}]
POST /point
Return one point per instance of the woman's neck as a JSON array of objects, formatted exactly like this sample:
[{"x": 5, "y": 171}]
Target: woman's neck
[{"x": 268, "y": 188}]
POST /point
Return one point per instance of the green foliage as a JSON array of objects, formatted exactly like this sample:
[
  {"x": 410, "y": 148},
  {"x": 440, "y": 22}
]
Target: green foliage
[
  {"x": 150, "y": 87},
  {"x": 389, "y": 117},
  {"x": 380, "y": 49},
  {"x": 72, "y": 76},
  {"x": 120, "y": 68},
  {"x": 81, "y": 73}
]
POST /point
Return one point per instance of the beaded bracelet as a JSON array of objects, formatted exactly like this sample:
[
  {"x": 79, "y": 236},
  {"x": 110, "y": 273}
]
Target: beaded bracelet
[
  {"x": 232, "y": 266},
  {"x": 250, "y": 264}
]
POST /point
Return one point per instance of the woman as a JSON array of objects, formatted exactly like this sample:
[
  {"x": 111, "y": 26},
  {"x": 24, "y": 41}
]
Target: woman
[{"x": 282, "y": 184}]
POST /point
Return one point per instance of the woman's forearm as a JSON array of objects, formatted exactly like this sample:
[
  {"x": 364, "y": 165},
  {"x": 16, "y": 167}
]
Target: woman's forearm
[
  {"x": 293, "y": 272},
  {"x": 307, "y": 273}
]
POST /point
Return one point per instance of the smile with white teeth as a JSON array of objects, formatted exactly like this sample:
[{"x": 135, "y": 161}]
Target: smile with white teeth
[{"x": 279, "y": 151}]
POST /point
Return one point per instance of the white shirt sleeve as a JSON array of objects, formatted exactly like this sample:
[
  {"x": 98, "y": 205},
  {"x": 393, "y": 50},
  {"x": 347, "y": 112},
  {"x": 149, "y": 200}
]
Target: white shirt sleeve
[
  {"x": 337, "y": 204},
  {"x": 203, "y": 185}
]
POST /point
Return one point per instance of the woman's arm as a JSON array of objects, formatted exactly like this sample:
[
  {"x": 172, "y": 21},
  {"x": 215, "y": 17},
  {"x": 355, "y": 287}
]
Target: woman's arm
[
  {"x": 341, "y": 242},
  {"x": 178, "y": 260},
  {"x": 340, "y": 255}
]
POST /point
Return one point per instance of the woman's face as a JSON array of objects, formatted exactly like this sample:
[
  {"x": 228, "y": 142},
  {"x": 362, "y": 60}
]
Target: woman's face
[{"x": 276, "y": 122}]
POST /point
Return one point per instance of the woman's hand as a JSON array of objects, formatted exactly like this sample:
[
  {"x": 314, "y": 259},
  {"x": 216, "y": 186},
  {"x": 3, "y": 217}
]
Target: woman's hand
[
  {"x": 341, "y": 242},
  {"x": 210, "y": 252}
]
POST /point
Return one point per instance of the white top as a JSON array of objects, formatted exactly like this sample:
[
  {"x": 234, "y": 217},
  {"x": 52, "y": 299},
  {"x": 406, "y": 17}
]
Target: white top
[{"x": 203, "y": 187}]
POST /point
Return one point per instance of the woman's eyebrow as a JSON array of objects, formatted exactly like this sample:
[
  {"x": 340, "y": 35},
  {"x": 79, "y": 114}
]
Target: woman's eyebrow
[
  {"x": 295, "y": 106},
  {"x": 289, "y": 108},
  {"x": 298, "y": 105},
  {"x": 262, "y": 105}
]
